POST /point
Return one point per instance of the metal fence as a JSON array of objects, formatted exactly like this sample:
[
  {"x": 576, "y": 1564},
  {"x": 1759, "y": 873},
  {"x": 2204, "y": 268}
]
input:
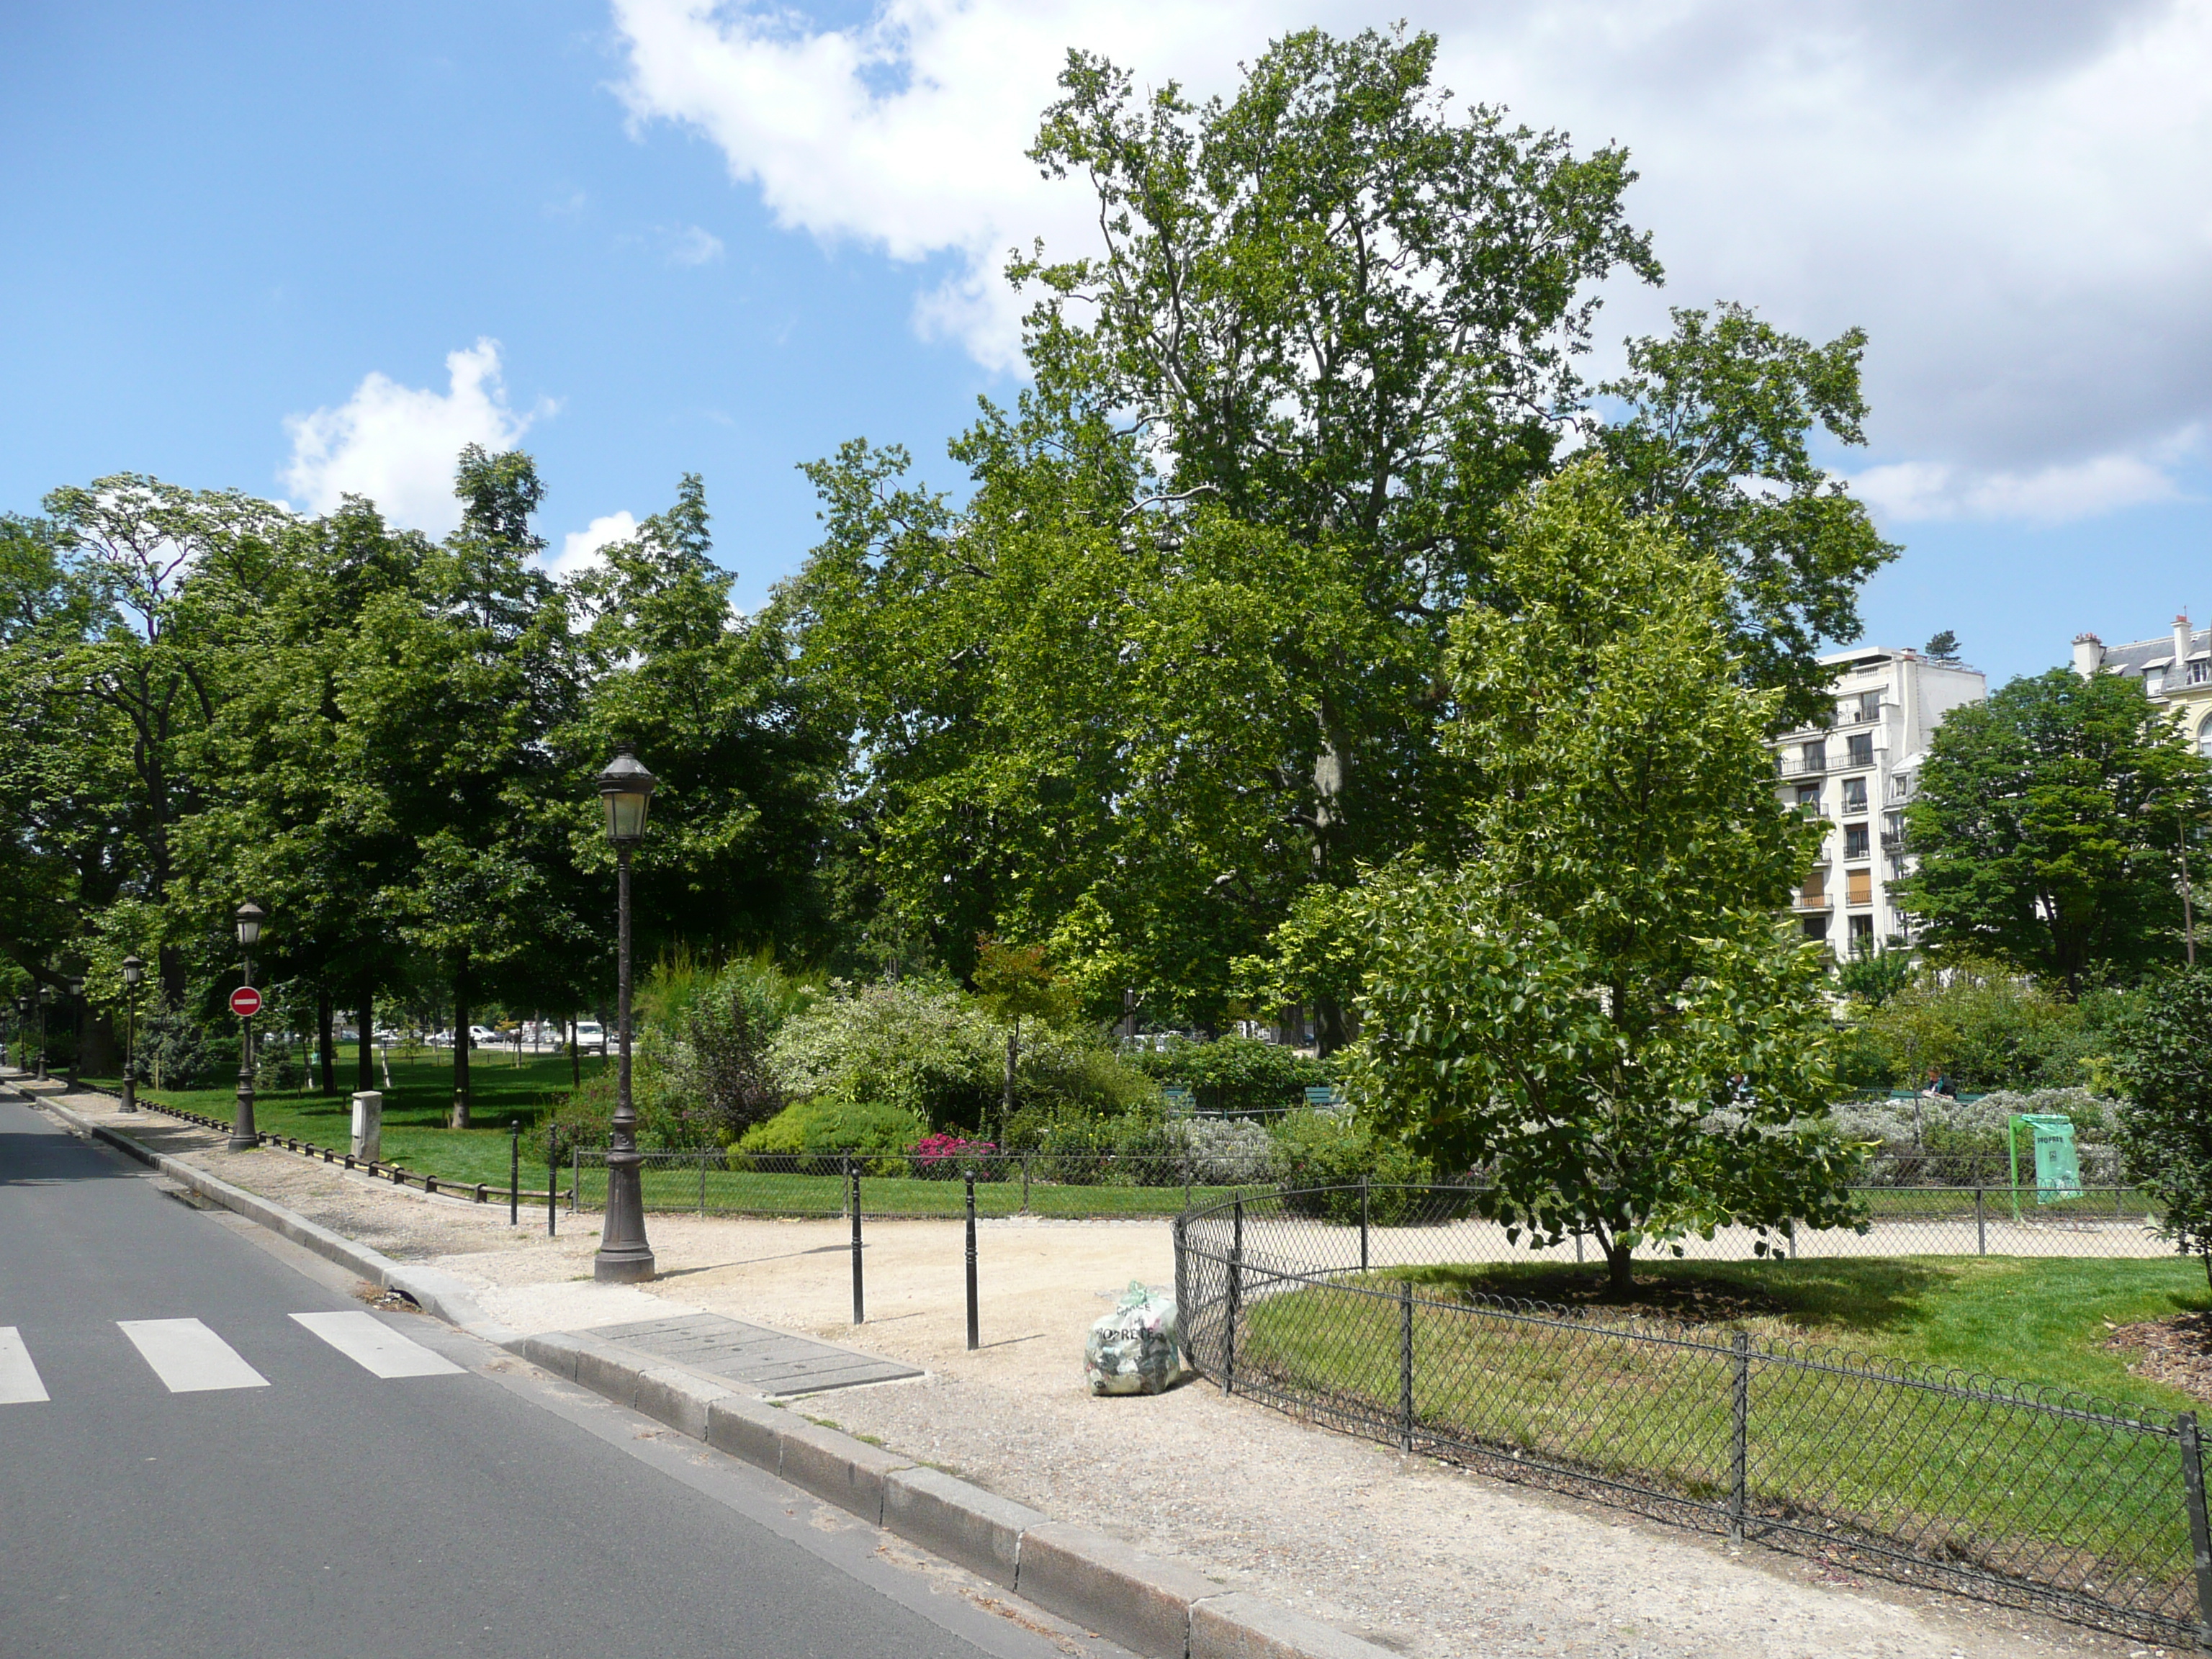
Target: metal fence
[
  {"x": 1084, "y": 1185},
  {"x": 2031, "y": 1497}
]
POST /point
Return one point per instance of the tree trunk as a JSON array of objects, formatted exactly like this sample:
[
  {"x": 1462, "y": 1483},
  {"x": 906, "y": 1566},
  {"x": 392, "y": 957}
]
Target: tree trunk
[
  {"x": 575, "y": 1057},
  {"x": 325, "y": 1031},
  {"x": 364, "y": 1072},
  {"x": 1332, "y": 1029},
  {"x": 460, "y": 1117},
  {"x": 1620, "y": 1271}
]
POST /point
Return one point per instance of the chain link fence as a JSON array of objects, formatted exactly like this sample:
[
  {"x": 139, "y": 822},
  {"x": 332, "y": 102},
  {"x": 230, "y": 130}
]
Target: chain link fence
[{"x": 2031, "y": 1497}]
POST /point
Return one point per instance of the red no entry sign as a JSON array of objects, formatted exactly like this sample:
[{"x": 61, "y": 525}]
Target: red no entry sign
[{"x": 246, "y": 1002}]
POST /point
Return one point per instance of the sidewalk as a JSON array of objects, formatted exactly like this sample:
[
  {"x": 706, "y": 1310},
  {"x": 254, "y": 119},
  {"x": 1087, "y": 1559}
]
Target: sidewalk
[{"x": 1407, "y": 1553}]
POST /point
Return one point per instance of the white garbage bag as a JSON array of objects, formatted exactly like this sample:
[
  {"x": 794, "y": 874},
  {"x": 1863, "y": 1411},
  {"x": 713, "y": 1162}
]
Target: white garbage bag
[{"x": 1137, "y": 1348}]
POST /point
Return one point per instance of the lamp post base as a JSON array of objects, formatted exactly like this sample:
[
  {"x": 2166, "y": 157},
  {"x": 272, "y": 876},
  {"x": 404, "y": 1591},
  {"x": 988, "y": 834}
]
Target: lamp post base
[
  {"x": 129, "y": 1094},
  {"x": 620, "y": 1265}
]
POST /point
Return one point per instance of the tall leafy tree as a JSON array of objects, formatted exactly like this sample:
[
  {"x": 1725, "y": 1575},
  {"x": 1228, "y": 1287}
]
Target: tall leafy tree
[
  {"x": 1596, "y": 1007},
  {"x": 1180, "y": 656},
  {"x": 2048, "y": 829}
]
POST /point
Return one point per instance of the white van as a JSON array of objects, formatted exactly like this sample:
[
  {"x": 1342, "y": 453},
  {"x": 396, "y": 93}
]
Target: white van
[{"x": 591, "y": 1036}]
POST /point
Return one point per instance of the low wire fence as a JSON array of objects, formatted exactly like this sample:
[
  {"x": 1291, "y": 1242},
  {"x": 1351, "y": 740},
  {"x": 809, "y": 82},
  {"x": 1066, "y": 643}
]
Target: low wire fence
[
  {"x": 1087, "y": 1185},
  {"x": 2032, "y": 1496}
]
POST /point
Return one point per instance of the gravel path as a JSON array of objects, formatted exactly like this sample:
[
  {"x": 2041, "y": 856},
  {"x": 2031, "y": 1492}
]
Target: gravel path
[{"x": 1424, "y": 1558}]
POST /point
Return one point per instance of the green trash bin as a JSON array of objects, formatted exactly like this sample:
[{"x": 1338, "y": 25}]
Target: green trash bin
[{"x": 2058, "y": 1164}]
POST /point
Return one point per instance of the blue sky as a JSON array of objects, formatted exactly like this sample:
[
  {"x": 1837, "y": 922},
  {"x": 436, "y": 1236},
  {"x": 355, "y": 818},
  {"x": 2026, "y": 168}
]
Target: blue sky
[{"x": 717, "y": 240}]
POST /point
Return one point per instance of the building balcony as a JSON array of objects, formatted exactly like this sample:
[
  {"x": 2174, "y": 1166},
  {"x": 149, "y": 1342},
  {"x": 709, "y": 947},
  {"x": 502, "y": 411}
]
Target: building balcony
[
  {"x": 1799, "y": 766},
  {"x": 1810, "y": 904}
]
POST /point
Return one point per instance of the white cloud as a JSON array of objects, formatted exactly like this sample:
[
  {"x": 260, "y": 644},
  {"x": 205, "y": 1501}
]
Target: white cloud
[
  {"x": 2010, "y": 195},
  {"x": 1905, "y": 491},
  {"x": 688, "y": 245},
  {"x": 580, "y": 548},
  {"x": 397, "y": 444}
]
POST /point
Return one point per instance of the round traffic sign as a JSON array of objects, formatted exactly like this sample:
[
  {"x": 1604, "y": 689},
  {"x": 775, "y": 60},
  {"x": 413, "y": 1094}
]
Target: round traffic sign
[{"x": 246, "y": 1002}]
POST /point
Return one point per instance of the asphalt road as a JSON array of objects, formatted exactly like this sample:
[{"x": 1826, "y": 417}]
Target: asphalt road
[{"x": 208, "y": 1475}]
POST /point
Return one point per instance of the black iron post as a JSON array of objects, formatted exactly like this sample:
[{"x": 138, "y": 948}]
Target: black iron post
[
  {"x": 853, "y": 1187},
  {"x": 243, "y": 1138},
  {"x": 2200, "y": 1537},
  {"x": 1363, "y": 1224},
  {"x": 1739, "y": 1436},
  {"x": 1236, "y": 1297},
  {"x": 515, "y": 1172},
  {"x": 624, "y": 1257},
  {"x": 77, "y": 1029},
  {"x": 1405, "y": 1365},
  {"x": 974, "y": 1324},
  {"x": 45, "y": 996},
  {"x": 134, "y": 971},
  {"x": 552, "y": 1174}
]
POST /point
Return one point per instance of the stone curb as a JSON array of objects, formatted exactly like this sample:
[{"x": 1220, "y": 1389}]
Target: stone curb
[{"x": 1162, "y": 1609}]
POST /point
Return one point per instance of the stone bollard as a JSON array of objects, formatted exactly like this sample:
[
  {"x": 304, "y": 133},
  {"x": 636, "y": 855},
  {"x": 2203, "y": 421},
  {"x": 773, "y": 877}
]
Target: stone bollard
[{"x": 368, "y": 1126}]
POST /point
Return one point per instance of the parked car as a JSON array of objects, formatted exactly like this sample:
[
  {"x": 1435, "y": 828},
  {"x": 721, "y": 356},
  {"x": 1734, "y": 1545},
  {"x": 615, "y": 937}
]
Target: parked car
[
  {"x": 591, "y": 1036},
  {"x": 483, "y": 1036}
]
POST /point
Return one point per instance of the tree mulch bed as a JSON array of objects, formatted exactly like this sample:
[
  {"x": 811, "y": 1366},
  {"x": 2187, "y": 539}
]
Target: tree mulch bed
[
  {"x": 2176, "y": 1351},
  {"x": 1684, "y": 1301}
]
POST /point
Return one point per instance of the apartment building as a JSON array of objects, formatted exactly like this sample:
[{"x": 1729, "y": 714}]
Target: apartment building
[
  {"x": 1855, "y": 772},
  {"x": 2175, "y": 669}
]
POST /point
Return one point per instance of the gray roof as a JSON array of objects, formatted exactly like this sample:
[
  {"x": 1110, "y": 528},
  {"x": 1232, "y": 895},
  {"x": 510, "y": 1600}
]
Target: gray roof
[{"x": 2139, "y": 654}]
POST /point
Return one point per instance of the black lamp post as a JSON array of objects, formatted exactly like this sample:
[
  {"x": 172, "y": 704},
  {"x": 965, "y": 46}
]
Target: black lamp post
[
  {"x": 77, "y": 1026},
  {"x": 243, "y": 1136},
  {"x": 134, "y": 973},
  {"x": 45, "y": 1000},
  {"x": 23, "y": 1031},
  {"x": 624, "y": 1256}
]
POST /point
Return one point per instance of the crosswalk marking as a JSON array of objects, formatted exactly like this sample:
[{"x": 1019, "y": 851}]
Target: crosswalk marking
[
  {"x": 188, "y": 1356},
  {"x": 376, "y": 1346},
  {"x": 18, "y": 1378}
]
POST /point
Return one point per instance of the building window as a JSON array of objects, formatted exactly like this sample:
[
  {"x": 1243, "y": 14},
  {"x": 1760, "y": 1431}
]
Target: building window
[
  {"x": 1858, "y": 887},
  {"x": 1816, "y": 927},
  {"x": 1861, "y": 749},
  {"x": 1854, "y": 841},
  {"x": 1814, "y": 895},
  {"x": 1855, "y": 796},
  {"x": 1862, "y": 936},
  {"x": 1809, "y": 799},
  {"x": 2153, "y": 682},
  {"x": 1869, "y": 705},
  {"x": 2204, "y": 740},
  {"x": 1813, "y": 758},
  {"x": 2199, "y": 672}
]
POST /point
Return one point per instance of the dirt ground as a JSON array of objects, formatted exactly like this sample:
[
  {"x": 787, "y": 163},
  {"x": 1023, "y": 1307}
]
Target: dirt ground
[{"x": 1424, "y": 1558}]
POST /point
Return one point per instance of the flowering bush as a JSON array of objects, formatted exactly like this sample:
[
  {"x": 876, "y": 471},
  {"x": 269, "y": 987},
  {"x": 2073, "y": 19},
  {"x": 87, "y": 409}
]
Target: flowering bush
[{"x": 946, "y": 1158}]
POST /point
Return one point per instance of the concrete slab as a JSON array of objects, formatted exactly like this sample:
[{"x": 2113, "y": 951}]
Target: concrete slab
[{"x": 766, "y": 1360}]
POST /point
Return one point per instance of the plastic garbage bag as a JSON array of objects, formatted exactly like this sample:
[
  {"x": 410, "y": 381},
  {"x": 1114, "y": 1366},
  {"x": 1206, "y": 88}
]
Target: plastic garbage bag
[{"x": 1137, "y": 1348}]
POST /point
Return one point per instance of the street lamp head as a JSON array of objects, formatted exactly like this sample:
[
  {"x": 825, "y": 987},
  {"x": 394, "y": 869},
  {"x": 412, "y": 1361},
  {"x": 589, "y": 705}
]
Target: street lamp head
[
  {"x": 250, "y": 916},
  {"x": 76, "y": 985},
  {"x": 134, "y": 970},
  {"x": 46, "y": 994},
  {"x": 626, "y": 788}
]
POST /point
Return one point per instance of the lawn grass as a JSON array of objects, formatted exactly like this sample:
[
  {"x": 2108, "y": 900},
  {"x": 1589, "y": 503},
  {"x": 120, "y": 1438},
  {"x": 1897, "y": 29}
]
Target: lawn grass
[
  {"x": 2057, "y": 1499},
  {"x": 415, "y": 1108}
]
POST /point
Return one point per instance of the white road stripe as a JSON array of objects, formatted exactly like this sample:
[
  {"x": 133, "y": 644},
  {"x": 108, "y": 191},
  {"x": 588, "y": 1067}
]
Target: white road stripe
[
  {"x": 376, "y": 1346},
  {"x": 189, "y": 1357},
  {"x": 18, "y": 1378}
]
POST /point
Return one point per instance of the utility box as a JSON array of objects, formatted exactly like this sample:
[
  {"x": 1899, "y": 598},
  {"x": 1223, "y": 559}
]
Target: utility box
[{"x": 368, "y": 1126}]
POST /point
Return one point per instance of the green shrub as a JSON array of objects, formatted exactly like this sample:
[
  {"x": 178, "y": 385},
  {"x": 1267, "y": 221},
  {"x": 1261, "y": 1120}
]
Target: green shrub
[
  {"x": 1237, "y": 1074},
  {"x": 919, "y": 1047},
  {"x": 827, "y": 1124},
  {"x": 1333, "y": 1149}
]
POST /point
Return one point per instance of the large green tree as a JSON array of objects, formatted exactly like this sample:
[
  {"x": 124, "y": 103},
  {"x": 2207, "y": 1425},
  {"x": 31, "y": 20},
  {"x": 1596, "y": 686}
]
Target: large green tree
[
  {"x": 1180, "y": 654},
  {"x": 1596, "y": 1008},
  {"x": 2047, "y": 829}
]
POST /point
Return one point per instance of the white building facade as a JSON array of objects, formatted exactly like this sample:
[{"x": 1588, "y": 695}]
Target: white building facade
[
  {"x": 1857, "y": 773},
  {"x": 2175, "y": 671}
]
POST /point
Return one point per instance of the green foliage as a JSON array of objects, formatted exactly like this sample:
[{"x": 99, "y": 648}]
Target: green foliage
[
  {"x": 1237, "y": 1073},
  {"x": 703, "y": 1050},
  {"x": 1983, "y": 1026},
  {"x": 1334, "y": 1150},
  {"x": 919, "y": 1047},
  {"x": 2166, "y": 1132},
  {"x": 1944, "y": 647},
  {"x": 834, "y": 1123},
  {"x": 1599, "y": 1010},
  {"x": 2046, "y": 829},
  {"x": 1871, "y": 979}
]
